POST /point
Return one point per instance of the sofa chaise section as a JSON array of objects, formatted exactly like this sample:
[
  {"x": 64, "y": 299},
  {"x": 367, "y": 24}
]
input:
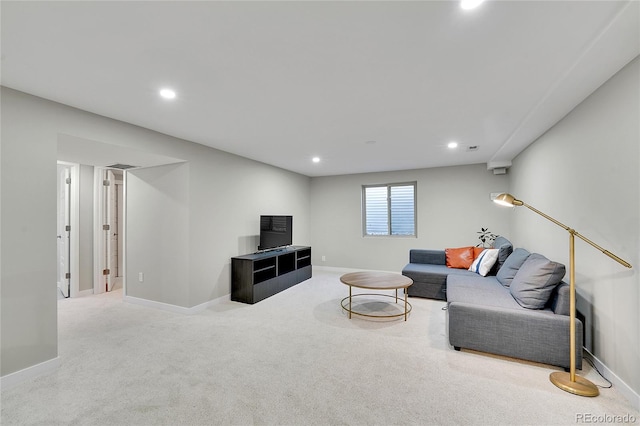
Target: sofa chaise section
[{"x": 482, "y": 316}]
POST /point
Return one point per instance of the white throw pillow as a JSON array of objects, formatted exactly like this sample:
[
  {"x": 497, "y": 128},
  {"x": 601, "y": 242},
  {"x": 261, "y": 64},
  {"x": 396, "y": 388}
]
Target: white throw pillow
[{"x": 483, "y": 263}]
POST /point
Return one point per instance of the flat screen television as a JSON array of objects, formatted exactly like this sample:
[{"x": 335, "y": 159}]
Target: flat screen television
[{"x": 275, "y": 231}]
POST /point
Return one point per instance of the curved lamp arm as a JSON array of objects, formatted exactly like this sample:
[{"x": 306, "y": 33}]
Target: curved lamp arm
[{"x": 509, "y": 200}]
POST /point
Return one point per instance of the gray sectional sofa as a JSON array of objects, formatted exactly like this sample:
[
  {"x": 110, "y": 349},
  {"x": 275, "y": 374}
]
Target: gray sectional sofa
[{"x": 520, "y": 309}]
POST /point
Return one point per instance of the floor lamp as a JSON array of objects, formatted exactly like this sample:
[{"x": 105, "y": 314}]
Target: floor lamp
[{"x": 569, "y": 382}]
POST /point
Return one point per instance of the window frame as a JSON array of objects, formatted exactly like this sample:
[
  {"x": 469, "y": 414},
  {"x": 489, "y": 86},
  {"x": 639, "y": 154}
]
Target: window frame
[{"x": 388, "y": 186}]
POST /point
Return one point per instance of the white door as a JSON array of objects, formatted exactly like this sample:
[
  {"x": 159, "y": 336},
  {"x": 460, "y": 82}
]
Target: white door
[
  {"x": 107, "y": 227},
  {"x": 112, "y": 234},
  {"x": 119, "y": 232},
  {"x": 63, "y": 234},
  {"x": 109, "y": 256}
]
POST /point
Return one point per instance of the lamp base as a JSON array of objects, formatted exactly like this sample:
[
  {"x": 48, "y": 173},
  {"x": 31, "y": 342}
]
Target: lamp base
[{"x": 581, "y": 386}]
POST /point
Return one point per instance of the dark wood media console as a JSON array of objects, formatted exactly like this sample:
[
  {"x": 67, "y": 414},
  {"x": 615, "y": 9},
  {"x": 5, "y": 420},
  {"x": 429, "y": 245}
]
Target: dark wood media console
[{"x": 255, "y": 277}]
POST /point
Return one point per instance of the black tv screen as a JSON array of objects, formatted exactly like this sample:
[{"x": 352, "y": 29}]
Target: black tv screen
[{"x": 275, "y": 231}]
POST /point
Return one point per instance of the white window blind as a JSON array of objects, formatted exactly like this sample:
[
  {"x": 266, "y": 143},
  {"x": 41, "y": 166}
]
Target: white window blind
[
  {"x": 390, "y": 209},
  {"x": 376, "y": 210}
]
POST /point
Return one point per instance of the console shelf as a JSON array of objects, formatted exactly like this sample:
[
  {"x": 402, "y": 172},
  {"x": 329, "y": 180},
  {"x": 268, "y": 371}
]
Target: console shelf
[{"x": 255, "y": 277}]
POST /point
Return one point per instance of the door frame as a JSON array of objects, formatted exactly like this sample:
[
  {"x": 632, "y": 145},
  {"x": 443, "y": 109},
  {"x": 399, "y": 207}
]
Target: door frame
[
  {"x": 74, "y": 222},
  {"x": 99, "y": 236}
]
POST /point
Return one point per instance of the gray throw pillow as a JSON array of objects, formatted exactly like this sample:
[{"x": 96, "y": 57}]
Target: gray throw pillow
[
  {"x": 535, "y": 280},
  {"x": 505, "y": 248},
  {"x": 511, "y": 266}
]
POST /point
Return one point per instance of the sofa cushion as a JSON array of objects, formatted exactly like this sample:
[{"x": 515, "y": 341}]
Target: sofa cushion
[
  {"x": 426, "y": 273},
  {"x": 433, "y": 257},
  {"x": 477, "y": 290},
  {"x": 505, "y": 248},
  {"x": 432, "y": 274},
  {"x": 461, "y": 257},
  {"x": 483, "y": 264},
  {"x": 535, "y": 280},
  {"x": 511, "y": 265}
]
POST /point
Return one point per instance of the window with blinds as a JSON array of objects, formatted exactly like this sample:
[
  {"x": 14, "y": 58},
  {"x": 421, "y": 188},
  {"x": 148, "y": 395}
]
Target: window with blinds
[{"x": 389, "y": 209}]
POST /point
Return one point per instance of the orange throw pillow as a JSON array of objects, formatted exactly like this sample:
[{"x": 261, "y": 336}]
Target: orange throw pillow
[
  {"x": 477, "y": 251},
  {"x": 460, "y": 258}
]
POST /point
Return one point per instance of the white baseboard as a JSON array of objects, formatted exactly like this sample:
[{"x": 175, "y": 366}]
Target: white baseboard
[
  {"x": 175, "y": 308},
  {"x": 332, "y": 269},
  {"x": 13, "y": 379},
  {"x": 347, "y": 270},
  {"x": 620, "y": 385}
]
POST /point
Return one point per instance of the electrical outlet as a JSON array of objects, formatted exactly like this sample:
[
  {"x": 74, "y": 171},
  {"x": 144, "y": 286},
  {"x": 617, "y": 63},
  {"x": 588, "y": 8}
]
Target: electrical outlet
[{"x": 141, "y": 276}]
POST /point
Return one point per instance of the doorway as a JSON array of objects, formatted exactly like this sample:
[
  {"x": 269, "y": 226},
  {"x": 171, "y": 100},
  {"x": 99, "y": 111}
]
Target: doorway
[
  {"x": 115, "y": 245},
  {"x": 109, "y": 229},
  {"x": 67, "y": 229}
]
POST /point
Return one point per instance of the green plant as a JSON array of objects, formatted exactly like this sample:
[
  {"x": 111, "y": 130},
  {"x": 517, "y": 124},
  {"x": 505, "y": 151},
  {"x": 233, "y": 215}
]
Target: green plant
[{"x": 486, "y": 237}]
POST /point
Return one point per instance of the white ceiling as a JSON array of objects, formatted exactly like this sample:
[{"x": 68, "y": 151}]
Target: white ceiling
[{"x": 366, "y": 86}]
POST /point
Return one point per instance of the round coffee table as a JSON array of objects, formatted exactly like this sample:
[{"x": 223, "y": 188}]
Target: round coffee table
[{"x": 376, "y": 281}]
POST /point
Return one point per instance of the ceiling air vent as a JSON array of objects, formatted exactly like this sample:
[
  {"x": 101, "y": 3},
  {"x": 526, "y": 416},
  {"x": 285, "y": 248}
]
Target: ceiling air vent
[
  {"x": 121, "y": 166},
  {"x": 472, "y": 148}
]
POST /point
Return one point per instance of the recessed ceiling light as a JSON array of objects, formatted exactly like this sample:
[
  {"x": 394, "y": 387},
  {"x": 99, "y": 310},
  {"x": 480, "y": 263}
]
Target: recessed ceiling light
[
  {"x": 470, "y": 4},
  {"x": 167, "y": 93},
  {"x": 452, "y": 145},
  {"x": 316, "y": 159}
]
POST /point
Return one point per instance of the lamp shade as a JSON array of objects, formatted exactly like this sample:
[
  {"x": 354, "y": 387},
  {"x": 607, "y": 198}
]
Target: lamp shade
[{"x": 505, "y": 199}]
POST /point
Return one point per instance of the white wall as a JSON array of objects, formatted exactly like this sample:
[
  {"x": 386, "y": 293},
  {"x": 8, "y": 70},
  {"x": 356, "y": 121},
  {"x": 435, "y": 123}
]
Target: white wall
[
  {"x": 453, "y": 203},
  {"x": 158, "y": 218},
  {"x": 226, "y": 195},
  {"x": 28, "y": 296},
  {"x": 584, "y": 173}
]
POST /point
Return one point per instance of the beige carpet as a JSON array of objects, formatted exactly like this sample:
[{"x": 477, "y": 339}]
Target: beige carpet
[{"x": 292, "y": 359}]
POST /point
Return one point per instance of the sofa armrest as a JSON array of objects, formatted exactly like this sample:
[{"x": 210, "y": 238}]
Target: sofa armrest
[
  {"x": 539, "y": 336},
  {"x": 433, "y": 257}
]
